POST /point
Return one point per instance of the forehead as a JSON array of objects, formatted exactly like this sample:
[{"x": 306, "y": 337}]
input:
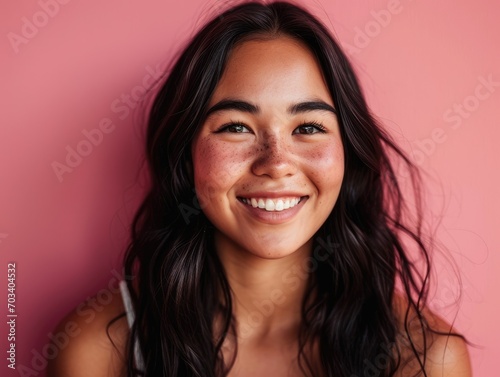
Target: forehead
[{"x": 280, "y": 68}]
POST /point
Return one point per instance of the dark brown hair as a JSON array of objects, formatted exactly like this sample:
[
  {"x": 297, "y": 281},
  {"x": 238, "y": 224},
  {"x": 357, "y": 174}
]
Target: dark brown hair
[{"x": 179, "y": 278}]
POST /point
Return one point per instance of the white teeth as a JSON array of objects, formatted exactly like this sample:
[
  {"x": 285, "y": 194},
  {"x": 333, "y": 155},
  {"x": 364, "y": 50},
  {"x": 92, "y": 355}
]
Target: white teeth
[
  {"x": 279, "y": 205},
  {"x": 254, "y": 203},
  {"x": 271, "y": 205}
]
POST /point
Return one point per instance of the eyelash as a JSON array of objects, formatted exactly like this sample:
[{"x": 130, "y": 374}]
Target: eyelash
[
  {"x": 318, "y": 125},
  {"x": 224, "y": 127}
]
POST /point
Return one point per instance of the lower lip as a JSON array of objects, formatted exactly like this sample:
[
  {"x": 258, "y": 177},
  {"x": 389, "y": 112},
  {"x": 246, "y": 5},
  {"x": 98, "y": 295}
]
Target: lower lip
[{"x": 274, "y": 217}]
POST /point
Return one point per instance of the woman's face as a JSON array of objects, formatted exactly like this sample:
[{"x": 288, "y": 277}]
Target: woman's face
[{"x": 268, "y": 160}]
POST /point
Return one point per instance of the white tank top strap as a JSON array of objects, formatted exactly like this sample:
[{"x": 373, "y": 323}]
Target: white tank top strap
[{"x": 129, "y": 310}]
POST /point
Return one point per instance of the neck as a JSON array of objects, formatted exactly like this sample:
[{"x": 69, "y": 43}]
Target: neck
[{"x": 267, "y": 293}]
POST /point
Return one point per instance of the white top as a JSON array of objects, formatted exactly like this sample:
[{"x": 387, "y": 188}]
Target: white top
[{"x": 129, "y": 309}]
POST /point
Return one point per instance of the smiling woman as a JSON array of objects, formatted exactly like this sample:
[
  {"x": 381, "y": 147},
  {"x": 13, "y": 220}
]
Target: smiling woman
[
  {"x": 292, "y": 266},
  {"x": 271, "y": 123}
]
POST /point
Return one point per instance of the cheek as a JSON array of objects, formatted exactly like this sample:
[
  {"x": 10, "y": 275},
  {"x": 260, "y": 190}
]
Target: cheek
[
  {"x": 216, "y": 167},
  {"x": 326, "y": 162},
  {"x": 325, "y": 165}
]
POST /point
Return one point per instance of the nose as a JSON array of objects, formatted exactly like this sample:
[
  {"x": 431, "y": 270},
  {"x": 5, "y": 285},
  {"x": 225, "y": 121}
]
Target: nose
[{"x": 274, "y": 157}]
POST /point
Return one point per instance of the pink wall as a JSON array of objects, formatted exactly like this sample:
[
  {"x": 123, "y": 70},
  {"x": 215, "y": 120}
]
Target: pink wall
[{"x": 431, "y": 71}]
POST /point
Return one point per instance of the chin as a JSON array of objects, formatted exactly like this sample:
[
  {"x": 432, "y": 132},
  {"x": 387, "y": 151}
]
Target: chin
[
  {"x": 276, "y": 250},
  {"x": 270, "y": 245},
  {"x": 273, "y": 254}
]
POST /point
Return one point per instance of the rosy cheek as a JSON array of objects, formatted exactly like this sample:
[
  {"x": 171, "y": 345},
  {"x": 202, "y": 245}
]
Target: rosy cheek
[
  {"x": 327, "y": 156},
  {"x": 326, "y": 165},
  {"x": 216, "y": 166}
]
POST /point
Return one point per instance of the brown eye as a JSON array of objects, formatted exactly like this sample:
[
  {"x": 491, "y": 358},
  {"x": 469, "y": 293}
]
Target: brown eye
[
  {"x": 234, "y": 127},
  {"x": 309, "y": 128}
]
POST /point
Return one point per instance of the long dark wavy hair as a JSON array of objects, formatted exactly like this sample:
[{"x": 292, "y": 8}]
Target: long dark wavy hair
[{"x": 179, "y": 285}]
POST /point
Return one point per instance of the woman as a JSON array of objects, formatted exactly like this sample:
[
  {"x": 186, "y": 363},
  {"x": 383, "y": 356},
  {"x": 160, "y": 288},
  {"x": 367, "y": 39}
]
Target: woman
[{"x": 274, "y": 234}]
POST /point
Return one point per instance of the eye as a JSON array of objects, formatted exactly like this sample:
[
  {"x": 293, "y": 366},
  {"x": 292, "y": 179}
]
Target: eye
[
  {"x": 308, "y": 128},
  {"x": 233, "y": 127}
]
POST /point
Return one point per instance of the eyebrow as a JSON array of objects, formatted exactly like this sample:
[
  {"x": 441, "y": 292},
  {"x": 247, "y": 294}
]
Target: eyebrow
[{"x": 246, "y": 107}]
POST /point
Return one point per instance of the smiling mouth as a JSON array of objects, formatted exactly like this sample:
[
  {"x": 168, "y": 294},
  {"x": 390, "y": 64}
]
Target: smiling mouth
[{"x": 274, "y": 204}]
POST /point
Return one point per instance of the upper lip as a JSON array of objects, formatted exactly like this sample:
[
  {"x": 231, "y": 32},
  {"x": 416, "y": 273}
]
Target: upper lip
[{"x": 272, "y": 194}]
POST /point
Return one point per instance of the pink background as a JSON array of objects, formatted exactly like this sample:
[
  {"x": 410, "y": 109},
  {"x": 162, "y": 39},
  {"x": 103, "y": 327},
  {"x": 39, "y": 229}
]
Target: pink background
[{"x": 418, "y": 61}]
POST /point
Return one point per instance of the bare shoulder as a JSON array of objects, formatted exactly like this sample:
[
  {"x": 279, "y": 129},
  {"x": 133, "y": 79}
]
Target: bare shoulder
[
  {"x": 447, "y": 355},
  {"x": 91, "y": 347}
]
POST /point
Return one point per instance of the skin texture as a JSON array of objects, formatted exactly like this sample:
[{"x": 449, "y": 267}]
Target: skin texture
[
  {"x": 268, "y": 156},
  {"x": 269, "y": 151},
  {"x": 92, "y": 352},
  {"x": 264, "y": 258}
]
